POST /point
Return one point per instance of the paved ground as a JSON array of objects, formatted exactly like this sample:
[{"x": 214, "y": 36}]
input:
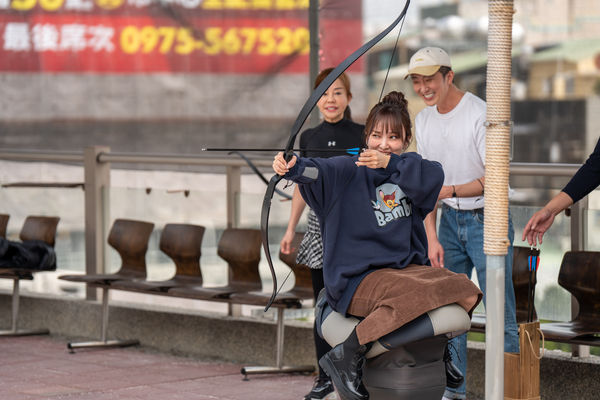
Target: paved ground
[{"x": 40, "y": 367}]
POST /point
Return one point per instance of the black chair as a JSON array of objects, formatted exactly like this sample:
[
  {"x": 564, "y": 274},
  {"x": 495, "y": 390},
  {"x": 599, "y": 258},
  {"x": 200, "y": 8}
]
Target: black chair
[
  {"x": 34, "y": 228},
  {"x": 130, "y": 239}
]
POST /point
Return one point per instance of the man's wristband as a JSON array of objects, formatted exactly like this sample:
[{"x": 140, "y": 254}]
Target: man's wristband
[{"x": 454, "y": 191}]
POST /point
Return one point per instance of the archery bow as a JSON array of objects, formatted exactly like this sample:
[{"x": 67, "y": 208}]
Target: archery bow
[{"x": 304, "y": 112}]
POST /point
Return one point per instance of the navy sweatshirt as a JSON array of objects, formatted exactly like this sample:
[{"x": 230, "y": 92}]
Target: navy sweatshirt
[{"x": 370, "y": 218}]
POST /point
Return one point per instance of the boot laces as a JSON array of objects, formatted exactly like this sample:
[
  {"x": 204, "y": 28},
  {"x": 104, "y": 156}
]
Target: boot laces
[
  {"x": 359, "y": 365},
  {"x": 321, "y": 380},
  {"x": 448, "y": 354}
]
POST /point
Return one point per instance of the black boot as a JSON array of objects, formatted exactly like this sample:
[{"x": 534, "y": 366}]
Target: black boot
[
  {"x": 322, "y": 388},
  {"x": 454, "y": 378},
  {"x": 344, "y": 365}
]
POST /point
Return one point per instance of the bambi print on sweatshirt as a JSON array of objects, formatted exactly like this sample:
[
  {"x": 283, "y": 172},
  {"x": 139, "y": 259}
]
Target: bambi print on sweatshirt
[{"x": 391, "y": 204}]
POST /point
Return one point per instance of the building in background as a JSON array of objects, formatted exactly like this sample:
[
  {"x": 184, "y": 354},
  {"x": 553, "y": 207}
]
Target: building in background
[{"x": 555, "y": 70}]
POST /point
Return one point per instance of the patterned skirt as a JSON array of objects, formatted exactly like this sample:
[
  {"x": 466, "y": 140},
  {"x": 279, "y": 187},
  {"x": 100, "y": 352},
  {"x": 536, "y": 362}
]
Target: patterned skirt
[{"x": 310, "y": 251}]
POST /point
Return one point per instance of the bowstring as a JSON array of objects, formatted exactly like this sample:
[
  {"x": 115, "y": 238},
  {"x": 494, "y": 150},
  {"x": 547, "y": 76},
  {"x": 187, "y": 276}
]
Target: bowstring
[{"x": 387, "y": 73}]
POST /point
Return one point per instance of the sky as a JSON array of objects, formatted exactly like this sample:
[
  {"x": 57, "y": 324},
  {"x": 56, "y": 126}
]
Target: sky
[{"x": 383, "y": 12}]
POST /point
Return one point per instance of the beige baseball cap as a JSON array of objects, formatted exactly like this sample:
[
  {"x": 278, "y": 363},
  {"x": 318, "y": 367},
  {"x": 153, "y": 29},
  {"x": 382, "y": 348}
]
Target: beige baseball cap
[{"x": 427, "y": 61}]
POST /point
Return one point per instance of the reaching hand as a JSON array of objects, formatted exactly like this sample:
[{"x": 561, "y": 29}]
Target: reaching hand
[
  {"x": 436, "y": 254},
  {"x": 286, "y": 242},
  {"x": 373, "y": 159},
  {"x": 537, "y": 226},
  {"x": 280, "y": 166}
]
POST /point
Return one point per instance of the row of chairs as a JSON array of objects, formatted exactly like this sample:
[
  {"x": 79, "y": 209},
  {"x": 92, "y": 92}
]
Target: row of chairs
[
  {"x": 240, "y": 248},
  {"x": 579, "y": 274}
]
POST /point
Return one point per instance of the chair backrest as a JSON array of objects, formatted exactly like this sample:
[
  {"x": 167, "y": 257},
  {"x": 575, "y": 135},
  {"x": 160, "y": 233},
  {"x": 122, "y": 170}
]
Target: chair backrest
[
  {"x": 130, "y": 239},
  {"x": 3, "y": 224},
  {"x": 39, "y": 228},
  {"x": 241, "y": 249},
  {"x": 580, "y": 275},
  {"x": 520, "y": 277},
  {"x": 303, "y": 284},
  {"x": 182, "y": 243}
]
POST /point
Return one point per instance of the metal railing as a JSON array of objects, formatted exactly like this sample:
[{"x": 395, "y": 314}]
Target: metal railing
[{"x": 97, "y": 161}]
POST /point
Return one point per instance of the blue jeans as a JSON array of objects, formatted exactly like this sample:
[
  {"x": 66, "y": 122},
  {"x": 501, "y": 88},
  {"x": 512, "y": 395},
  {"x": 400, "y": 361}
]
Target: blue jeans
[{"x": 461, "y": 236}]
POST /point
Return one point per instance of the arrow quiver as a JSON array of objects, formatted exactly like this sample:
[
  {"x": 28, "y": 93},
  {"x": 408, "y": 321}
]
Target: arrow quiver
[{"x": 522, "y": 370}]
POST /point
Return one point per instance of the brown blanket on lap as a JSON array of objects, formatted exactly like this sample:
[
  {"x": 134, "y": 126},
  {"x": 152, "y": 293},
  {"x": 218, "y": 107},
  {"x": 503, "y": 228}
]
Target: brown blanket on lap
[{"x": 389, "y": 298}]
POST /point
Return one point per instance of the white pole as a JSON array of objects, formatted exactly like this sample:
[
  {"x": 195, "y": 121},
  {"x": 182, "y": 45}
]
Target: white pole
[
  {"x": 494, "y": 328},
  {"x": 496, "y": 189}
]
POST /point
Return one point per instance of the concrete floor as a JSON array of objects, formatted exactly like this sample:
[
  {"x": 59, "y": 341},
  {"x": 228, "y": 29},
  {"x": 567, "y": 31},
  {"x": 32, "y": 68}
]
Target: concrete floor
[{"x": 40, "y": 367}]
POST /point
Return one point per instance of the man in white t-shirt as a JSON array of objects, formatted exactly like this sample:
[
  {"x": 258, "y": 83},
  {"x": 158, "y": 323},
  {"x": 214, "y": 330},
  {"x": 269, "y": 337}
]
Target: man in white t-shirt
[{"x": 451, "y": 130}]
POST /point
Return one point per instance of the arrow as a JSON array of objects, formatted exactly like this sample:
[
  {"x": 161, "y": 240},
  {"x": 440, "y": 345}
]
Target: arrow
[{"x": 353, "y": 151}]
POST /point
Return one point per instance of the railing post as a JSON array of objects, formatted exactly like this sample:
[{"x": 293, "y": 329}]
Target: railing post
[
  {"x": 234, "y": 189},
  {"x": 578, "y": 242},
  {"x": 315, "y": 46},
  {"x": 234, "y": 175},
  {"x": 97, "y": 211}
]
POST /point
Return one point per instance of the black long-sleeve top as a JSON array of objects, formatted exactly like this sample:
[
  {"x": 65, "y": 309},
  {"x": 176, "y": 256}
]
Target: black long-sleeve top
[{"x": 587, "y": 178}]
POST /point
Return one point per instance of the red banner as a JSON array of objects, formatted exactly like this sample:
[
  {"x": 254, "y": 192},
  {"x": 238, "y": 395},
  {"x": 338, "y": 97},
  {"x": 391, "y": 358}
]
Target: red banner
[
  {"x": 39, "y": 40},
  {"x": 120, "y": 6}
]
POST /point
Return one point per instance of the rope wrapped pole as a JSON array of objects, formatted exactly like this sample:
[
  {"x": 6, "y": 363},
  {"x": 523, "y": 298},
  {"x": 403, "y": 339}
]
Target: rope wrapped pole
[{"x": 497, "y": 151}]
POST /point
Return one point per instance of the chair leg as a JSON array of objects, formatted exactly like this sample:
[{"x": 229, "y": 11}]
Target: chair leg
[
  {"x": 103, "y": 342},
  {"x": 14, "y": 331},
  {"x": 280, "y": 337},
  {"x": 279, "y": 368},
  {"x": 15, "y": 303}
]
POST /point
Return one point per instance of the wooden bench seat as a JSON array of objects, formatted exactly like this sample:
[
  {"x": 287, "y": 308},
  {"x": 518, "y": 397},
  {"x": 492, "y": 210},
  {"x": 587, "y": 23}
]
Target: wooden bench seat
[
  {"x": 40, "y": 228},
  {"x": 520, "y": 277},
  {"x": 580, "y": 276},
  {"x": 130, "y": 239},
  {"x": 293, "y": 298},
  {"x": 241, "y": 249},
  {"x": 182, "y": 243},
  {"x": 3, "y": 224}
]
